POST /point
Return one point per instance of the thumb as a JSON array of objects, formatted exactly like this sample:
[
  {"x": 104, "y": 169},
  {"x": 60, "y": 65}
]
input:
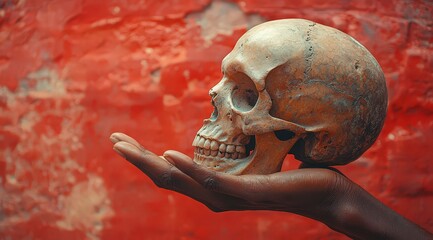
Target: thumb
[{"x": 177, "y": 158}]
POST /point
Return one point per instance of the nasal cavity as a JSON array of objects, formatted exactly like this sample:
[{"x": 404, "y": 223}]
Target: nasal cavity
[
  {"x": 215, "y": 111},
  {"x": 284, "y": 135}
]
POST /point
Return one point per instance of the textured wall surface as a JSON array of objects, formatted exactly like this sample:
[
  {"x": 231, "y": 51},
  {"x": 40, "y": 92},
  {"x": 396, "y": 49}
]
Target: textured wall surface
[{"x": 73, "y": 71}]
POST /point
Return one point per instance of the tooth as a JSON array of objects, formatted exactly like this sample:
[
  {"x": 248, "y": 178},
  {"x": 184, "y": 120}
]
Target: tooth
[
  {"x": 230, "y": 148},
  {"x": 194, "y": 143},
  {"x": 214, "y": 145},
  {"x": 235, "y": 155},
  {"x": 201, "y": 142},
  {"x": 214, "y": 153},
  {"x": 207, "y": 144},
  {"x": 201, "y": 150},
  {"x": 206, "y": 152},
  {"x": 222, "y": 148},
  {"x": 240, "y": 149},
  {"x": 242, "y": 155},
  {"x": 227, "y": 155},
  {"x": 220, "y": 154}
]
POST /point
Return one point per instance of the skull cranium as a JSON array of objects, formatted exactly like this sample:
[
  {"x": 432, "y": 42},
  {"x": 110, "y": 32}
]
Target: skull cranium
[{"x": 292, "y": 86}]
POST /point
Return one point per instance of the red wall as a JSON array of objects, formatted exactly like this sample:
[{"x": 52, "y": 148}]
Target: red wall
[{"x": 72, "y": 72}]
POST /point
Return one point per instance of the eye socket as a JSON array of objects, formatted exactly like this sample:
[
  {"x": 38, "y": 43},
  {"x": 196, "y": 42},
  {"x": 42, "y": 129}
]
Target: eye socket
[{"x": 244, "y": 95}]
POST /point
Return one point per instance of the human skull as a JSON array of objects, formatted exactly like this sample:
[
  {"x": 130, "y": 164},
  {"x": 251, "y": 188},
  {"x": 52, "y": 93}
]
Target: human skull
[{"x": 292, "y": 86}]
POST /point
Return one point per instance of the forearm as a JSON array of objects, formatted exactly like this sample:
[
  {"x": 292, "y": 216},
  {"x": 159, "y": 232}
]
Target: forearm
[{"x": 361, "y": 216}]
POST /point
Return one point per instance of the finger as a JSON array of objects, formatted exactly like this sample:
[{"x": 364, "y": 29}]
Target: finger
[
  {"x": 168, "y": 160},
  {"x": 304, "y": 165},
  {"x": 162, "y": 173},
  {"x": 118, "y": 137},
  {"x": 121, "y": 137},
  {"x": 167, "y": 176},
  {"x": 248, "y": 187}
]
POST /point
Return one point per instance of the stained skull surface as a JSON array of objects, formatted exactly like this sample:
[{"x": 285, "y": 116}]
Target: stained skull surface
[{"x": 292, "y": 86}]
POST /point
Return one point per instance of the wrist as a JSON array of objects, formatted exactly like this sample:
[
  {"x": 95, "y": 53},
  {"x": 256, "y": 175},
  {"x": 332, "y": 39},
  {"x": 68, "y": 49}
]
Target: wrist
[{"x": 359, "y": 215}]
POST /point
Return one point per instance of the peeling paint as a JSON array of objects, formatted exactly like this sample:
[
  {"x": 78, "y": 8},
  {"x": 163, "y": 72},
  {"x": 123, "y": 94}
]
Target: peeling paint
[
  {"x": 222, "y": 17},
  {"x": 86, "y": 207},
  {"x": 43, "y": 83}
]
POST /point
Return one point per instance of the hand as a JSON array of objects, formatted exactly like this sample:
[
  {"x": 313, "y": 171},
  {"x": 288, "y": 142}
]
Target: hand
[
  {"x": 309, "y": 190},
  {"x": 321, "y": 194}
]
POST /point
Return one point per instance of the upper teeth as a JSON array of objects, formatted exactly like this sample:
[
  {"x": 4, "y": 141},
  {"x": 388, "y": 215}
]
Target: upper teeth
[{"x": 213, "y": 148}]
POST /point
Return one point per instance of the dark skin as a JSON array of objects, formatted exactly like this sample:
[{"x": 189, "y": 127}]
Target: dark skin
[{"x": 318, "y": 193}]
